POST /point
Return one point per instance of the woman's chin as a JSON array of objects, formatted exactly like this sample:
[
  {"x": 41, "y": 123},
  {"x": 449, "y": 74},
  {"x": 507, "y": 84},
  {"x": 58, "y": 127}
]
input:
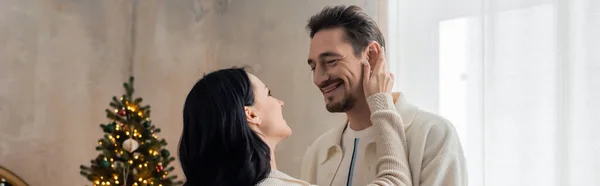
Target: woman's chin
[{"x": 285, "y": 133}]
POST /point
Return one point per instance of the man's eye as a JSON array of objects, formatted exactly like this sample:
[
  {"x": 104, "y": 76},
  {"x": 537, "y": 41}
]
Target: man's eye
[
  {"x": 332, "y": 61},
  {"x": 312, "y": 68}
]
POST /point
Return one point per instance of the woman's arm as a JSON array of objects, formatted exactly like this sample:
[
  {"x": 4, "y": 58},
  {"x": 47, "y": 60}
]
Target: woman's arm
[{"x": 392, "y": 163}]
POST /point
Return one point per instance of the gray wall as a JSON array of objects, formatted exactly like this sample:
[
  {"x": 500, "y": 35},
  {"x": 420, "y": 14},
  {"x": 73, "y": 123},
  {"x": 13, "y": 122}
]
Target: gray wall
[{"x": 61, "y": 61}]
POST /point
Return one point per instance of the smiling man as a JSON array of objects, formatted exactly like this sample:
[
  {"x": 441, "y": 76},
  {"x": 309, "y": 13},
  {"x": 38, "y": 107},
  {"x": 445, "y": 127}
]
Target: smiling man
[{"x": 340, "y": 36}]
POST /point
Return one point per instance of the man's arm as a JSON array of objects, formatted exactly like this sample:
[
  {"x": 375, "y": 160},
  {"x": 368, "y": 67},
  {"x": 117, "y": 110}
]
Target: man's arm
[{"x": 443, "y": 159}]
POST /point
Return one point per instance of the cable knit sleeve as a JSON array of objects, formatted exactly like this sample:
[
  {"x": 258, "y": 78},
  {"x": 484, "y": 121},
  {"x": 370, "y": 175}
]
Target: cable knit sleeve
[{"x": 392, "y": 163}]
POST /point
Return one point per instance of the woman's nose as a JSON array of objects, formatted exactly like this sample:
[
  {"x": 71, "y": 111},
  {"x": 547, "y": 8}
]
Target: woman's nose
[{"x": 281, "y": 103}]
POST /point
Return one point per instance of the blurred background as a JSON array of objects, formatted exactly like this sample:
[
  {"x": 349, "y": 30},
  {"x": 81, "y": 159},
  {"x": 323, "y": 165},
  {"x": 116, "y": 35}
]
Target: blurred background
[{"x": 519, "y": 79}]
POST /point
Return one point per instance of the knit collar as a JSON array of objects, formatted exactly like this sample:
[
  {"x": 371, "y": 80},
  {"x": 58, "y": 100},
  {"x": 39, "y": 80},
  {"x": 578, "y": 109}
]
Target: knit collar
[{"x": 282, "y": 176}]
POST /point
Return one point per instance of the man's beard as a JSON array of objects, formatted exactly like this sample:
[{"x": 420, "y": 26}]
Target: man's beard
[{"x": 341, "y": 106}]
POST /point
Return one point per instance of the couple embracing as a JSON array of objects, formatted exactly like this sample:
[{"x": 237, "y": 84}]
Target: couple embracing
[{"x": 232, "y": 123}]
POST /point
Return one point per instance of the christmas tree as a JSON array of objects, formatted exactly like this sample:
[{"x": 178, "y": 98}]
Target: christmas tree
[{"x": 131, "y": 153}]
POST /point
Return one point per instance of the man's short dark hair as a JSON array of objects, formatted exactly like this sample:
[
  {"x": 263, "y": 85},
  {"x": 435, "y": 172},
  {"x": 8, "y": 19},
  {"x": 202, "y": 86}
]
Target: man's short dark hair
[{"x": 360, "y": 29}]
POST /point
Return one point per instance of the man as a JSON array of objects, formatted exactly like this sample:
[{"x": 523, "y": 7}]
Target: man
[{"x": 341, "y": 39}]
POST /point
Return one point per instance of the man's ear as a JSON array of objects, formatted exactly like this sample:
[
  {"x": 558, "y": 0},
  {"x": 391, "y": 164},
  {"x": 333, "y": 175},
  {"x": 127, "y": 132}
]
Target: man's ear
[
  {"x": 372, "y": 53},
  {"x": 251, "y": 116},
  {"x": 395, "y": 96}
]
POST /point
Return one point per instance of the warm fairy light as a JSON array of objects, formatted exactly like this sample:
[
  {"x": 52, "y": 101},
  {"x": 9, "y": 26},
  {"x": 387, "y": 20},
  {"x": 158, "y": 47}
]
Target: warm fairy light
[
  {"x": 145, "y": 164},
  {"x": 150, "y": 151},
  {"x": 120, "y": 152},
  {"x": 135, "y": 183},
  {"x": 121, "y": 98},
  {"x": 97, "y": 182},
  {"x": 130, "y": 162},
  {"x": 116, "y": 176},
  {"x": 112, "y": 159},
  {"x": 164, "y": 176},
  {"x": 99, "y": 143},
  {"x": 118, "y": 136},
  {"x": 136, "y": 157},
  {"x": 115, "y": 144},
  {"x": 116, "y": 110},
  {"x": 145, "y": 182},
  {"x": 127, "y": 133},
  {"x": 140, "y": 179},
  {"x": 155, "y": 153},
  {"x": 140, "y": 165},
  {"x": 116, "y": 181},
  {"x": 112, "y": 165},
  {"x": 159, "y": 163},
  {"x": 154, "y": 136}
]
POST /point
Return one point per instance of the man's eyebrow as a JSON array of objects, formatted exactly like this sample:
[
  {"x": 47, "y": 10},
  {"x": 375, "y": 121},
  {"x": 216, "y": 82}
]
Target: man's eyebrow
[
  {"x": 324, "y": 55},
  {"x": 329, "y": 54}
]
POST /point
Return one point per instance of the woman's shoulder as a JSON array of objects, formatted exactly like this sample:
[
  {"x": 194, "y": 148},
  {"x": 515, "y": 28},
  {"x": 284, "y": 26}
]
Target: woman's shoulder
[{"x": 278, "y": 178}]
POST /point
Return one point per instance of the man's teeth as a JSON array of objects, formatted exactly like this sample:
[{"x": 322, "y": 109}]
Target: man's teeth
[{"x": 331, "y": 88}]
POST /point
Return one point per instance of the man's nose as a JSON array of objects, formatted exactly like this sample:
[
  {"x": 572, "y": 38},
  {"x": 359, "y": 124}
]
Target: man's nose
[{"x": 320, "y": 75}]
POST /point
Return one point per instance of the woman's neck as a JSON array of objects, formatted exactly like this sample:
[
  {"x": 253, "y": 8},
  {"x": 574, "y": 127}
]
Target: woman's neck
[
  {"x": 273, "y": 163},
  {"x": 272, "y": 145}
]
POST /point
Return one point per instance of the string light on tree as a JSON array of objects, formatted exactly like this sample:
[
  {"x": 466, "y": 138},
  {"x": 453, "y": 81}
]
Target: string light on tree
[{"x": 130, "y": 151}]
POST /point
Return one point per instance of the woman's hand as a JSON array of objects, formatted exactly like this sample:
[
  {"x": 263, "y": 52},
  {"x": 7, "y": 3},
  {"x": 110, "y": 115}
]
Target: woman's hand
[{"x": 379, "y": 79}]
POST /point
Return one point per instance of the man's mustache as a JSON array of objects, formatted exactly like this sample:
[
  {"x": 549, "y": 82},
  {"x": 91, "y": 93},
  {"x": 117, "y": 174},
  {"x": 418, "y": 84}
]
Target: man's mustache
[{"x": 329, "y": 82}]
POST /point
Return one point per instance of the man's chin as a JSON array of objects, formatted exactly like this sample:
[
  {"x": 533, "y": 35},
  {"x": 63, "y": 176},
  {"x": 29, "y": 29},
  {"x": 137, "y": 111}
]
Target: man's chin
[
  {"x": 335, "y": 104},
  {"x": 335, "y": 107}
]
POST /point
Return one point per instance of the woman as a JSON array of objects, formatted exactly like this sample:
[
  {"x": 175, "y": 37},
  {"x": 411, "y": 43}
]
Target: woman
[{"x": 232, "y": 125}]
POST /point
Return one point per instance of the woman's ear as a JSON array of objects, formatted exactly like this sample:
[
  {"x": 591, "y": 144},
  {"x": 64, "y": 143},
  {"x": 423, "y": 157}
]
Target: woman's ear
[{"x": 251, "y": 116}]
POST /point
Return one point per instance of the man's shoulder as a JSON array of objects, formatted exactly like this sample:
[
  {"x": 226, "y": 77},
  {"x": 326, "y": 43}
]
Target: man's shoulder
[
  {"x": 325, "y": 139},
  {"x": 309, "y": 168},
  {"x": 435, "y": 131},
  {"x": 430, "y": 121}
]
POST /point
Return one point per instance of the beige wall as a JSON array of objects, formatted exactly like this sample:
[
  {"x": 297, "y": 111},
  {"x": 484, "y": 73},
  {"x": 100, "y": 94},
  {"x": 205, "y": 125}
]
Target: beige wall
[{"x": 61, "y": 61}]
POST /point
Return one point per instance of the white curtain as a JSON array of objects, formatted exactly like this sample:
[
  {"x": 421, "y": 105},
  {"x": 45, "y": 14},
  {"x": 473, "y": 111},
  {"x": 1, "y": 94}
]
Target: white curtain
[{"x": 519, "y": 79}]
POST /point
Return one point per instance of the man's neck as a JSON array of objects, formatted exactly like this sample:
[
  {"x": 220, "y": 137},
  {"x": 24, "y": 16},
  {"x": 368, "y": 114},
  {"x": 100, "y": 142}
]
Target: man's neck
[{"x": 359, "y": 116}]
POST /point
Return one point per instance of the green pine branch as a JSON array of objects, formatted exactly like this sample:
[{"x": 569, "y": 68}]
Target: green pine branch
[{"x": 150, "y": 161}]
